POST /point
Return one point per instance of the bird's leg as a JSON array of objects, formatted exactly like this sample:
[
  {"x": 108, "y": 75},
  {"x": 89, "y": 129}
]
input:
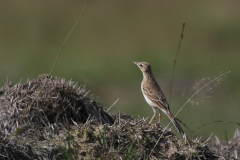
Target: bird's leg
[
  {"x": 158, "y": 124},
  {"x": 153, "y": 116},
  {"x": 159, "y": 117}
]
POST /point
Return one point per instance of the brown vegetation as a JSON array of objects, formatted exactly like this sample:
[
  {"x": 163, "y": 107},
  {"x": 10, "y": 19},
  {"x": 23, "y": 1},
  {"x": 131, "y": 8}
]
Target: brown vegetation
[{"x": 65, "y": 123}]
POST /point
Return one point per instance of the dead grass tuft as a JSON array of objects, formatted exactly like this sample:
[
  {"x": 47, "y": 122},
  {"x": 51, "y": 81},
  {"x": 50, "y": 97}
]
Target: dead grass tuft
[
  {"x": 65, "y": 123},
  {"x": 229, "y": 149}
]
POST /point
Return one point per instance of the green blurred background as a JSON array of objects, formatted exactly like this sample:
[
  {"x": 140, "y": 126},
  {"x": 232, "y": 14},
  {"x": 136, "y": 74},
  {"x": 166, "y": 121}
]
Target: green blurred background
[{"x": 112, "y": 34}]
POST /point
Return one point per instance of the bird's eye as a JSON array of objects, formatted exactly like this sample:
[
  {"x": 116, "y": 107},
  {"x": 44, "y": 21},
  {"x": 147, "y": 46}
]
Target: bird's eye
[{"x": 141, "y": 65}]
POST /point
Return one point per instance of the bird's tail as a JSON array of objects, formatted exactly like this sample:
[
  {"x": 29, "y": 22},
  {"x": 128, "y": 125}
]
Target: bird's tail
[{"x": 171, "y": 117}]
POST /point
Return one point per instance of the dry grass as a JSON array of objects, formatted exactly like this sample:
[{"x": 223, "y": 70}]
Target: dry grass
[
  {"x": 229, "y": 149},
  {"x": 66, "y": 123}
]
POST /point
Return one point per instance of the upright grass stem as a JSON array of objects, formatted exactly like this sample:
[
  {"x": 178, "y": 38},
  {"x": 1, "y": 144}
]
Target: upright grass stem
[{"x": 60, "y": 51}]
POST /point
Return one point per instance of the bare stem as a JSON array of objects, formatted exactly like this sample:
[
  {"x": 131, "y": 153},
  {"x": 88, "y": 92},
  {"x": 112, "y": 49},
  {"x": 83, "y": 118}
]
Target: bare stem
[
  {"x": 60, "y": 51},
  {"x": 198, "y": 90},
  {"x": 175, "y": 61}
]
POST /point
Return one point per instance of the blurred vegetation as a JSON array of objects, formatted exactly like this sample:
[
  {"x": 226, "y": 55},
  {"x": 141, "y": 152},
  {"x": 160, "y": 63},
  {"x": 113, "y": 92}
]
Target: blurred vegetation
[{"x": 111, "y": 34}]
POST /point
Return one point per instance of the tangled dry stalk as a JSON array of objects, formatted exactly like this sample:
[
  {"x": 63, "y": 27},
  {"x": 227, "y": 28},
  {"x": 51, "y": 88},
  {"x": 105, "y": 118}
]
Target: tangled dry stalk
[{"x": 65, "y": 123}]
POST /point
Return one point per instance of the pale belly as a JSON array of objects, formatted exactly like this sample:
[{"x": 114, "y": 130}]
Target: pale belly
[
  {"x": 150, "y": 102},
  {"x": 153, "y": 105}
]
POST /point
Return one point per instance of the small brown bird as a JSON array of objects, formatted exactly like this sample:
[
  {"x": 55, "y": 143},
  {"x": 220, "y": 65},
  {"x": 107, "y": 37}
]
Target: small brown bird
[{"x": 154, "y": 95}]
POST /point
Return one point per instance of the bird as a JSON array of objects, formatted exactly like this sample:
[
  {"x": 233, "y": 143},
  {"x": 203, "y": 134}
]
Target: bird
[{"x": 154, "y": 96}]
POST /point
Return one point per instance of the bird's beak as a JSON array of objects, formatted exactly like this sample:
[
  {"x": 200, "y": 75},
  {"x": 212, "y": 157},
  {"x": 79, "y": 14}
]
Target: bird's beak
[{"x": 134, "y": 62}]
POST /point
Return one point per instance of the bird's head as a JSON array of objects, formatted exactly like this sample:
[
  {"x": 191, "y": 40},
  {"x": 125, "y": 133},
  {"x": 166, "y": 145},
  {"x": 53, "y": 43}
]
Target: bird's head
[{"x": 144, "y": 66}]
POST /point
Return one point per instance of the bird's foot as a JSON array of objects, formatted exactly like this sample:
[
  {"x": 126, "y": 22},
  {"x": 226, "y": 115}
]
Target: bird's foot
[{"x": 158, "y": 125}]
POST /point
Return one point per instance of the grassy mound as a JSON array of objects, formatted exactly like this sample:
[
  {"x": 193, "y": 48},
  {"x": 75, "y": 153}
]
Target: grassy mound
[{"x": 65, "y": 123}]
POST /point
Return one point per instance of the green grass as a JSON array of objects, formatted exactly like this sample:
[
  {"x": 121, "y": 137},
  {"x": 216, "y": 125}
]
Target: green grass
[{"x": 110, "y": 36}]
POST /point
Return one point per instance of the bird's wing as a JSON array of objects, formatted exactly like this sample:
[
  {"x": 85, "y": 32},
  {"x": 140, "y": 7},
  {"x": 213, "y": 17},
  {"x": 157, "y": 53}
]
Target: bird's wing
[{"x": 157, "y": 97}]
